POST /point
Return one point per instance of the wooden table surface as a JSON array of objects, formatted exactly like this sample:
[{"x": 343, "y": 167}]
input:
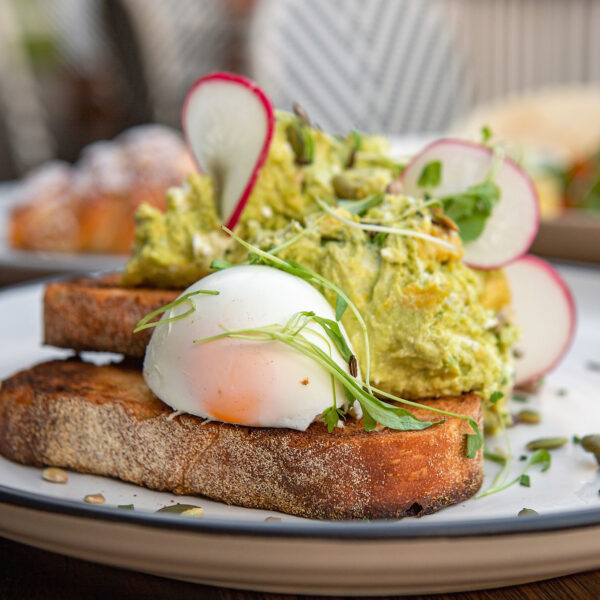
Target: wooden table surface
[{"x": 31, "y": 574}]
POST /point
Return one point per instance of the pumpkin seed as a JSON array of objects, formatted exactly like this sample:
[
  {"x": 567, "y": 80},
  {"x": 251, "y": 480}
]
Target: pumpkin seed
[
  {"x": 301, "y": 141},
  {"x": 527, "y": 512},
  {"x": 531, "y": 417},
  {"x": 54, "y": 475},
  {"x": 193, "y": 512},
  {"x": 94, "y": 499},
  {"x": 591, "y": 443},
  {"x": 547, "y": 443},
  {"x": 178, "y": 509}
]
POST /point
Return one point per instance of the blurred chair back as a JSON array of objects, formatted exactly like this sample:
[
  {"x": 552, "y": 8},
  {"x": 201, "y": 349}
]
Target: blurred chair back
[
  {"x": 520, "y": 45},
  {"x": 379, "y": 66},
  {"x": 175, "y": 42}
]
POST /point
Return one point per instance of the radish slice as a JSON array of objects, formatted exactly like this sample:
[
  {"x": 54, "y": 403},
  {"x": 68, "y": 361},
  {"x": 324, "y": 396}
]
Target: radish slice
[
  {"x": 513, "y": 224},
  {"x": 228, "y": 123},
  {"x": 545, "y": 312}
]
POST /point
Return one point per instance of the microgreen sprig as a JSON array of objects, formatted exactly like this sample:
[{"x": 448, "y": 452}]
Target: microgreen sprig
[
  {"x": 374, "y": 409},
  {"x": 539, "y": 457},
  {"x": 385, "y": 229},
  {"x": 394, "y": 417},
  {"x": 146, "y": 324},
  {"x": 298, "y": 236},
  {"x": 295, "y": 268}
]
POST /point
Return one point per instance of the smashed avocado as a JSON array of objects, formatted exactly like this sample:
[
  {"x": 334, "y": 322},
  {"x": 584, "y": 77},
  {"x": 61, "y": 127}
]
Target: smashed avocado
[
  {"x": 175, "y": 248},
  {"x": 436, "y": 327}
]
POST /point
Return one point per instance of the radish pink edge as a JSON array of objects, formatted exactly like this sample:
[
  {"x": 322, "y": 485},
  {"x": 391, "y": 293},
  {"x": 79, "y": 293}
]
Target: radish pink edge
[
  {"x": 572, "y": 308},
  {"x": 267, "y": 105},
  {"x": 510, "y": 161}
]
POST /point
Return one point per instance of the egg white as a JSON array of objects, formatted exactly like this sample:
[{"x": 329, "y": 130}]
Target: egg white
[{"x": 261, "y": 384}]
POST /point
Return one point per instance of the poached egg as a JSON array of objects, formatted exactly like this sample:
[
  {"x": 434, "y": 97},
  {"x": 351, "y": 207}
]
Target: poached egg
[{"x": 253, "y": 383}]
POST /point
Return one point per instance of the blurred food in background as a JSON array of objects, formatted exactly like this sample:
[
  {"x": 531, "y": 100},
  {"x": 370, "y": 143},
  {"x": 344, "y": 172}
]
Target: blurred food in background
[
  {"x": 90, "y": 206},
  {"x": 555, "y": 134}
]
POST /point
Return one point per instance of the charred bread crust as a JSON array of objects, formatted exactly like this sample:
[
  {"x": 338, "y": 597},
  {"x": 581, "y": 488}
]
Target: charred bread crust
[
  {"x": 99, "y": 314},
  {"x": 104, "y": 420}
]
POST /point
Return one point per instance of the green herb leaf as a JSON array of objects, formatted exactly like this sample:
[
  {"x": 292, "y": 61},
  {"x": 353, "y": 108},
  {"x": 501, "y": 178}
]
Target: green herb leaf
[
  {"x": 494, "y": 457},
  {"x": 525, "y": 481},
  {"x": 340, "y": 307},
  {"x": 358, "y": 207},
  {"x": 146, "y": 324},
  {"x": 126, "y": 506},
  {"x": 369, "y": 423},
  {"x": 495, "y": 396},
  {"x": 357, "y": 139},
  {"x": 541, "y": 457},
  {"x": 431, "y": 175},
  {"x": 486, "y": 134},
  {"x": 379, "y": 239},
  {"x": 218, "y": 264},
  {"x": 520, "y": 398},
  {"x": 333, "y": 331},
  {"x": 471, "y": 209},
  {"x": 331, "y": 418},
  {"x": 394, "y": 417},
  {"x": 474, "y": 440}
]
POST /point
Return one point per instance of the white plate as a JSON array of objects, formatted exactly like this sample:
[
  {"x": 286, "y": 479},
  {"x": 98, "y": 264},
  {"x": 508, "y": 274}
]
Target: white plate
[
  {"x": 46, "y": 262},
  {"x": 477, "y": 544}
]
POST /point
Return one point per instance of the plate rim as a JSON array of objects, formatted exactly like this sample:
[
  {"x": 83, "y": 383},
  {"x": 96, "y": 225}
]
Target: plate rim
[{"x": 381, "y": 529}]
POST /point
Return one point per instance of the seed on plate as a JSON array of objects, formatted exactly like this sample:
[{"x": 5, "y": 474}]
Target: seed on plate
[
  {"x": 55, "y": 475},
  {"x": 273, "y": 519},
  {"x": 531, "y": 417},
  {"x": 193, "y": 512},
  {"x": 527, "y": 512},
  {"x": 94, "y": 499},
  {"x": 547, "y": 443},
  {"x": 180, "y": 509},
  {"x": 353, "y": 366},
  {"x": 591, "y": 443}
]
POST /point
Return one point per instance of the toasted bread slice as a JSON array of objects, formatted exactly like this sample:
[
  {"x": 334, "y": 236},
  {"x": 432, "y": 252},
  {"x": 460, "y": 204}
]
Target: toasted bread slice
[
  {"x": 104, "y": 420},
  {"x": 99, "y": 314}
]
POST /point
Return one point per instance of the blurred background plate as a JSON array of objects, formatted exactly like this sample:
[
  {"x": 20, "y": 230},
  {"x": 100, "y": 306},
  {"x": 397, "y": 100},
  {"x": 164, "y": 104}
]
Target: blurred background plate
[{"x": 20, "y": 265}]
